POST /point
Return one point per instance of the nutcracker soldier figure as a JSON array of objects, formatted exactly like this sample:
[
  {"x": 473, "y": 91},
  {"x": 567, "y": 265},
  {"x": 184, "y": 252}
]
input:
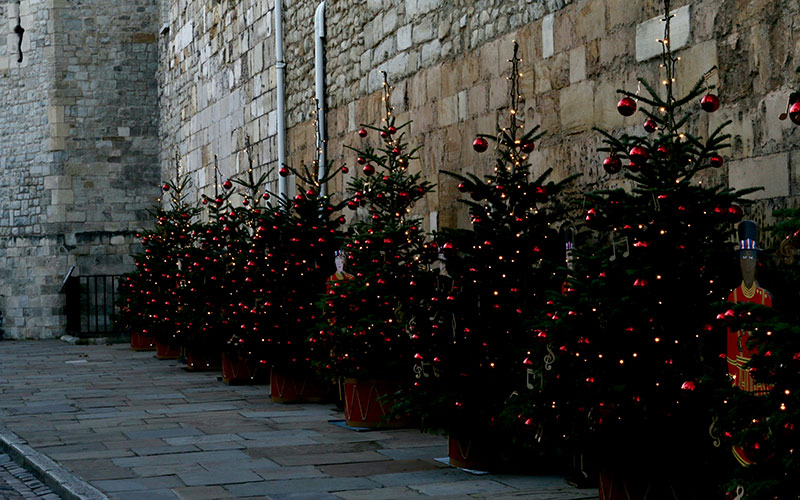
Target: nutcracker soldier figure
[{"x": 738, "y": 352}]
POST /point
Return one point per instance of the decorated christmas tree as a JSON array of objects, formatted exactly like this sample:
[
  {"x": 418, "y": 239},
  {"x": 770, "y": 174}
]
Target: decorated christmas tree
[
  {"x": 157, "y": 297},
  {"x": 370, "y": 304},
  {"x": 626, "y": 359},
  {"x": 306, "y": 232},
  {"x": 493, "y": 278}
]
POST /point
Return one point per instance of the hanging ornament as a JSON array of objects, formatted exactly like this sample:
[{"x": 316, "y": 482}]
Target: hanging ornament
[
  {"x": 227, "y": 184},
  {"x": 688, "y": 386},
  {"x": 735, "y": 213},
  {"x": 265, "y": 196},
  {"x": 362, "y": 132},
  {"x": 663, "y": 151},
  {"x": 283, "y": 171},
  {"x": 528, "y": 147},
  {"x": 626, "y": 106},
  {"x": 650, "y": 125},
  {"x": 794, "y": 113},
  {"x": 638, "y": 155},
  {"x": 709, "y": 103},
  {"x": 384, "y": 134},
  {"x": 463, "y": 187},
  {"x": 612, "y": 164},
  {"x": 369, "y": 169},
  {"x": 480, "y": 144},
  {"x": 345, "y": 169},
  {"x": 392, "y": 130},
  {"x": 311, "y": 193},
  {"x": 396, "y": 151},
  {"x": 165, "y": 187},
  {"x": 716, "y": 161},
  {"x": 361, "y": 161}
]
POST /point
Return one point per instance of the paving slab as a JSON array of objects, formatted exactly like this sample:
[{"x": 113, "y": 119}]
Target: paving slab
[{"x": 133, "y": 427}]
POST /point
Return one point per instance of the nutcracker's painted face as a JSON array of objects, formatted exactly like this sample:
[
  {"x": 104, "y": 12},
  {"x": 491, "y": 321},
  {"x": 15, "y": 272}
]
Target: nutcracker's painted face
[
  {"x": 339, "y": 262},
  {"x": 747, "y": 261}
]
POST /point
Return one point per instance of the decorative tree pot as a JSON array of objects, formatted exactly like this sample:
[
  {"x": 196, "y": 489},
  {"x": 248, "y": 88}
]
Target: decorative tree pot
[
  {"x": 471, "y": 450},
  {"x": 237, "y": 371},
  {"x": 167, "y": 351},
  {"x": 142, "y": 342},
  {"x": 363, "y": 406},
  {"x": 199, "y": 360},
  {"x": 297, "y": 386}
]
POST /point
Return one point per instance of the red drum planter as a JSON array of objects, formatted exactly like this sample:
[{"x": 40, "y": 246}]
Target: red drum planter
[
  {"x": 471, "y": 451},
  {"x": 297, "y": 386},
  {"x": 236, "y": 370},
  {"x": 166, "y": 351},
  {"x": 363, "y": 406},
  {"x": 142, "y": 342},
  {"x": 202, "y": 361}
]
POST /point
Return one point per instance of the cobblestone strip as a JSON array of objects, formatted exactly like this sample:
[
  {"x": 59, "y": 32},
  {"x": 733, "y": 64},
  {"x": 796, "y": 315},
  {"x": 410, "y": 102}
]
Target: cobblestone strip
[
  {"x": 17, "y": 483},
  {"x": 41, "y": 478}
]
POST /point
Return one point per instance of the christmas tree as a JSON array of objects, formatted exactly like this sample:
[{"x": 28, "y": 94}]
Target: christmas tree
[
  {"x": 369, "y": 306},
  {"x": 493, "y": 279},
  {"x": 306, "y": 233},
  {"x": 627, "y": 357},
  {"x": 157, "y": 297}
]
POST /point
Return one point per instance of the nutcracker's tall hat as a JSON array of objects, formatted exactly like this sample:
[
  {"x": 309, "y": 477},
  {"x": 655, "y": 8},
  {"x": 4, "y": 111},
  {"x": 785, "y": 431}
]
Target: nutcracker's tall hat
[
  {"x": 568, "y": 233},
  {"x": 748, "y": 235}
]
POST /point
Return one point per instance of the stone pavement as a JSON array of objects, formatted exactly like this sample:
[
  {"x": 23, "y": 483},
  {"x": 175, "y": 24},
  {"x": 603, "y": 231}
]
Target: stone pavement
[
  {"x": 17, "y": 483},
  {"x": 135, "y": 427}
]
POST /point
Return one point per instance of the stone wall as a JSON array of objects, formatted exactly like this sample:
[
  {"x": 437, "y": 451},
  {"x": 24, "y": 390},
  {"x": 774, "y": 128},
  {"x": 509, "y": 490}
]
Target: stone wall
[{"x": 78, "y": 149}]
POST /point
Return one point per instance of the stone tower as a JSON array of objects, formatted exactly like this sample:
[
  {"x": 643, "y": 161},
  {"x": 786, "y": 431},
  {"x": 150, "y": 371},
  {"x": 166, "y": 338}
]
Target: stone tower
[{"x": 78, "y": 148}]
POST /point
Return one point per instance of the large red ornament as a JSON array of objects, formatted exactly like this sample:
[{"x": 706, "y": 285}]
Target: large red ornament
[
  {"x": 528, "y": 147},
  {"x": 283, "y": 171},
  {"x": 480, "y": 144},
  {"x": 227, "y": 184},
  {"x": 165, "y": 187},
  {"x": 735, "y": 213},
  {"x": 361, "y": 161},
  {"x": 716, "y": 161},
  {"x": 650, "y": 126},
  {"x": 384, "y": 134},
  {"x": 463, "y": 187},
  {"x": 709, "y": 103},
  {"x": 638, "y": 155},
  {"x": 794, "y": 113},
  {"x": 392, "y": 130},
  {"x": 362, "y": 132},
  {"x": 663, "y": 151},
  {"x": 345, "y": 169},
  {"x": 612, "y": 164},
  {"x": 626, "y": 106},
  {"x": 369, "y": 169}
]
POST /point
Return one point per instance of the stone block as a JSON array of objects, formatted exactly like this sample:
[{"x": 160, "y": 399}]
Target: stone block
[
  {"x": 478, "y": 99},
  {"x": 590, "y": 21},
  {"x": 547, "y": 35},
  {"x": 404, "y": 37},
  {"x": 498, "y": 92},
  {"x": 770, "y": 172},
  {"x": 695, "y": 62},
  {"x": 576, "y": 105},
  {"x": 651, "y": 31},
  {"x": 577, "y": 64},
  {"x": 57, "y": 182},
  {"x": 448, "y": 110},
  {"x": 62, "y": 197},
  {"x": 431, "y": 52}
]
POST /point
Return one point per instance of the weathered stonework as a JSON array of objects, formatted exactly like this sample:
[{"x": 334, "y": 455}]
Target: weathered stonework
[{"x": 78, "y": 149}]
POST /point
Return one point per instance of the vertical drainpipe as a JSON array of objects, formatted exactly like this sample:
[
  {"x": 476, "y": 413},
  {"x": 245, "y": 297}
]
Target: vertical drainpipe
[
  {"x": 319, "y": 67},
  {"x": 280, "y": 66}
]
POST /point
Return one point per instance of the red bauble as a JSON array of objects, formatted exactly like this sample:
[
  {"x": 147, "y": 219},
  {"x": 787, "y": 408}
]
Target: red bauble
[
  {"x": 612, "y": 164},
  {"x": 634, "y": 166},
  {"x": 716, "y": 161},
  {"x": 392, "y": 130},
  {"x": 638, "y": 155},
  {"x": 384, "y": 134},
  {"x": 688, "y": 386},
  {"x": 794, "y": 113},
  {"x": 362, "y": 132},
  {"x": 650, "y": 125},
  {"x": 227, "y": 184},
  {"x": 265, "y": 196},
  {"x": 480, "y": 144},
  {"x": 709, "y": 103},
  {"x": 396, "y": 151},
  {"x": 218, "y": 201},
  {"x": 735, "y": 213},
  {"x": 165, "y": 187},
  {"x": 311, "y": 193},
  {"x": 626, "y": 106},
  {"x": 205, "y": 201},
  {"x": 361, "y": 161},
  {"x": 283, "y": 171},
  {"x": 663, "y": 151},
  {"x": 528, "y": 147},
  {"x": 369, "y": 169},
  {"x": 463, "y": 187},
  {"x": 345, "y": 169},
  {"x": 352, "y": 205}
]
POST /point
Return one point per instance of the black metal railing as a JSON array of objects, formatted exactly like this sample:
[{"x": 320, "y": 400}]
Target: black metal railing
[{"x": 90, "y": 304}]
